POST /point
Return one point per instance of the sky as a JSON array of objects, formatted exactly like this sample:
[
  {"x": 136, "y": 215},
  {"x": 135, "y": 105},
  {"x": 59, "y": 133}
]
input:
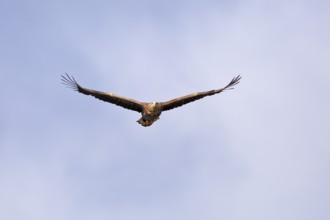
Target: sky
[{"x": 260, "y": 151}]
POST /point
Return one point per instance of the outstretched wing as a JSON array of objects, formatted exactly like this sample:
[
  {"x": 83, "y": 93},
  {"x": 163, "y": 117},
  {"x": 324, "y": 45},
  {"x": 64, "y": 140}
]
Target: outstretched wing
[
  {"x": 174, "y": 103},
  {"x": 127, "y": 103}
]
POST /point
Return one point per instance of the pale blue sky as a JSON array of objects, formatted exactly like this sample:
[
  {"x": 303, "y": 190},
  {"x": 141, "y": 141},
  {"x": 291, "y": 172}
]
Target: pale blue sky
[{"x": 260, "y": 151}]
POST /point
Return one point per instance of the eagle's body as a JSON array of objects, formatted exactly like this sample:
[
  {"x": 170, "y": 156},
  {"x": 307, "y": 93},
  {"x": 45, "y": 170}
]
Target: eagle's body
[{"x": 150, "y": 111}]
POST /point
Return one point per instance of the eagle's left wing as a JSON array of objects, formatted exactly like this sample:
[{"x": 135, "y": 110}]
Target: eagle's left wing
[
  {"x": 174, "y": 103},
  {"x": 124, "y": 102}
]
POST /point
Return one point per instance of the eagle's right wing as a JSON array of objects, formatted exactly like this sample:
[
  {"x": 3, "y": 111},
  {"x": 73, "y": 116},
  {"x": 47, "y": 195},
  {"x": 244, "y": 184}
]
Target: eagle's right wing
[
  {"x": 174, "y": 103},
  {"x": 127, "y": 103}
]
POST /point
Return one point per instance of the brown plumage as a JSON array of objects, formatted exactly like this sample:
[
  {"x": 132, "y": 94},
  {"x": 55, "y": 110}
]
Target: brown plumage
[{"x": 150, "y": 111}]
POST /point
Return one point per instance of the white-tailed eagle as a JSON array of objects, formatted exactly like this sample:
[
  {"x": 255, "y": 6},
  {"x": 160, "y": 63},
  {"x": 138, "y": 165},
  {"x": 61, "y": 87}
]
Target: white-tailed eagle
[{"x": 150, "y": 110}]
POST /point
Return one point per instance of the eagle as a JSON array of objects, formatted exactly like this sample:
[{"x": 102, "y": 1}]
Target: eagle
[{"x": 150, "y": 110}]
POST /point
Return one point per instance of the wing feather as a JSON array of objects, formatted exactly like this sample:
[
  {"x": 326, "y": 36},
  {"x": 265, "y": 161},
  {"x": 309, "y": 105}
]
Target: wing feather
[
  {"x": 174, "y": 103},
  {"x": 124, "y": 102}
]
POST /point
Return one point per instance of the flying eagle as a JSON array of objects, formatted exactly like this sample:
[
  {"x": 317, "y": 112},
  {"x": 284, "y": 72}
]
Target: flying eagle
[{"x": 150, "y": 110}]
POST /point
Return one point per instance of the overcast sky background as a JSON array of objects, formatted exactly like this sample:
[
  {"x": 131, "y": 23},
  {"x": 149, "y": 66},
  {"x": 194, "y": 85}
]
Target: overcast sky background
[{"x": 260, "y": 151}]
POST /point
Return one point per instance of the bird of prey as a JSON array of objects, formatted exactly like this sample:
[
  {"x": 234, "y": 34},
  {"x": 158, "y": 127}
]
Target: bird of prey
[{"x": 150, "y": 110}]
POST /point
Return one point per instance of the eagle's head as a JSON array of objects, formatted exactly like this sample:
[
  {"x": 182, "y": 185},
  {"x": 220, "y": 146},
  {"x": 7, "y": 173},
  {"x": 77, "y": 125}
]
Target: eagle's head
[{"x": 144, "y": 122}]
